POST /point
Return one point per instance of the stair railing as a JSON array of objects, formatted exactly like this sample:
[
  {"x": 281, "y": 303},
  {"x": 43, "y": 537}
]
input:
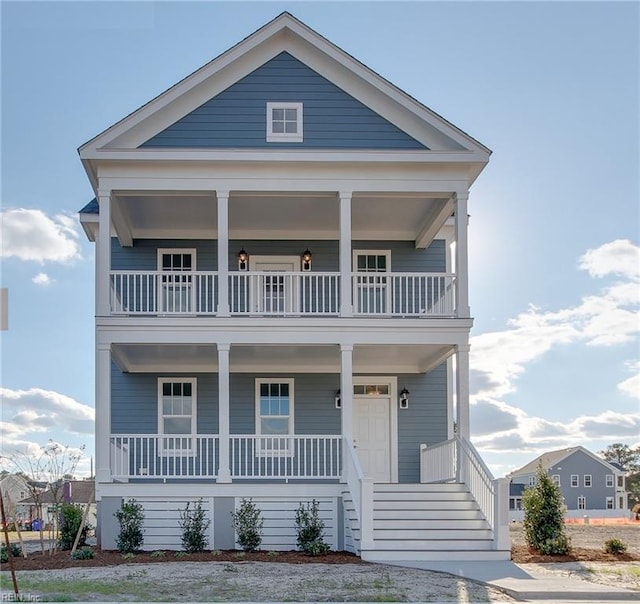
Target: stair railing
[{"x": 361, "y": 489}]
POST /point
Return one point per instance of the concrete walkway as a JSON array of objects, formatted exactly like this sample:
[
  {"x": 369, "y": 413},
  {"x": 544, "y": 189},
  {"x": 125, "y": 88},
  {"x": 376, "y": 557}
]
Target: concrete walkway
[{"x": 526, "y": 585}]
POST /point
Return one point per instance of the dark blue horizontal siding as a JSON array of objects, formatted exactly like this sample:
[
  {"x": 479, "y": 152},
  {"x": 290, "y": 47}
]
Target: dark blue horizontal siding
[
  {"x": 237, "y": 116},
  {"x": 143, "y": 255}
]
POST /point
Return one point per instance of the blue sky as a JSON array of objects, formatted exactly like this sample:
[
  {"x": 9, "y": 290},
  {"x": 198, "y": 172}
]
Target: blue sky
[{"x": 551, "y": 88}]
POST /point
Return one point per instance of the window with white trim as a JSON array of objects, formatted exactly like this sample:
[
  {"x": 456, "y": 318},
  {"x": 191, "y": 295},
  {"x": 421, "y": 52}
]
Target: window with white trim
[
  {"x": 610, "y": 503},
  {"x": 609, "y": 481},
  {"x": 532, "y": 481},
  {"x": 274, "y": 416},
  {"x": 284, "y": 122},
  {"x": 582, "y": 502},
  {"x": 621, "y": 481},
  {"x": 556, "y": 479},
  {"x": 177, "y": 402},
  {"x": 575, "y": 480},
  {"x": 587, "y": 480}
]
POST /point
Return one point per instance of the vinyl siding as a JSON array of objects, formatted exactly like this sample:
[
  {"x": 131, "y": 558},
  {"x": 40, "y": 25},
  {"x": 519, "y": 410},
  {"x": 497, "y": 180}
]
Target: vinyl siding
[{"x": 236, "y": 118}]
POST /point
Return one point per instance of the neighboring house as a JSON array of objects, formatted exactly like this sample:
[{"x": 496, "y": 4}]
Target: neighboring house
[
  {"x": 278, "y": 307},
  {"x": 14, "y": 488},
  {"x": 587, "y": 482},
  {"x": 81, "y": 492}
]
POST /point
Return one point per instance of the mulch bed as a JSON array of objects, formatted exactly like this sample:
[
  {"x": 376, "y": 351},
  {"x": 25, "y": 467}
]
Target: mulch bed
[
  {"x": 36, "y": 561},
  {"x": 522, "y": 554}
]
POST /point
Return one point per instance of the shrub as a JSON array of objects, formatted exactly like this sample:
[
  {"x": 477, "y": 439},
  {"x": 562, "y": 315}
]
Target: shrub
[
  {"x": 544, "y": 516},
  {"x": 247, "y": 522},
  {"x": 83, "y": 554},
  {"x": 615, "y": 546},
  {"x": 159, "y": 553},
  {"x": 194, "y": 525},
  {"x": 310, "y": 527},
  {"x": 16, "y": 552},
  {"x": 70, "y": 519},
  {"x": 130, "y": 516}
]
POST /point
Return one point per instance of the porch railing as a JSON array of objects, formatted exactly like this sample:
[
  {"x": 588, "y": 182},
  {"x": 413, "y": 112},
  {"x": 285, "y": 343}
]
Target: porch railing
[
  {"x": 457, "y": 460},
  {"x": 164, "y": 292},
  {"x": 361, "y": 490},
  {"x": 285, "y": 457},
  {"x": 404, "y": 294},
  {"x": 163, "y": 456},
  {"x": 284, "y": 293}
]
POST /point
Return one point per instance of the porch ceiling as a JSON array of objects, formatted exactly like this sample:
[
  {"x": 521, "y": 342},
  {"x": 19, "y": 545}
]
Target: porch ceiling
[
  {"x": 284, "y": 215},
  {"x": 294, "y": 358}
]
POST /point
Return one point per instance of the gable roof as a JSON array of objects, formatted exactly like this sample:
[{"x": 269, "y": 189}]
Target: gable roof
[
  {"x": 551, "y": 458},
  {"x": 284, "y": 33},
  {"x": 79, "y": 491}
]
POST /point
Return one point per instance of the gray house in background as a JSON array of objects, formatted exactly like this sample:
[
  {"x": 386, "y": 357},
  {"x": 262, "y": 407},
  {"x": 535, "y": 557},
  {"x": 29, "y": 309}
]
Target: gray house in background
[{"x": 587, "y": 482}]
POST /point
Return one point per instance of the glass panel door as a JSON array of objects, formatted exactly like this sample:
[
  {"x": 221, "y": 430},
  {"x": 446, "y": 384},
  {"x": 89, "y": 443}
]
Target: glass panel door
[
  {"x": 372, "y": 291},
  {"x": 176, "y": 287}
]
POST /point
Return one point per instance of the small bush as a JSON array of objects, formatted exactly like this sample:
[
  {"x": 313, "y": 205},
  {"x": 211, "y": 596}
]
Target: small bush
[
  {"x": 310, "y": 528},
  {"x": 615, "y": 546},
  {"x": 16, "y": 552},
  {"x": 180, "y": 555},
  {"x": 130, "y": 516},
  {"x": 128, "y": 556},
  {"x": 194, "y": 525},
  {"x": 247, "y": 522},
  {"x": 158, "y": 554},
  {"x": 83, "y": 554},
  {"x": 70, "y": 520},
  {"x": 544, "y": 516}
]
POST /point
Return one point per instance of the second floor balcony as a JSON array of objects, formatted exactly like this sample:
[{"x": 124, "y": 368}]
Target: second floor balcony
[{"x": 278, "y": 294}]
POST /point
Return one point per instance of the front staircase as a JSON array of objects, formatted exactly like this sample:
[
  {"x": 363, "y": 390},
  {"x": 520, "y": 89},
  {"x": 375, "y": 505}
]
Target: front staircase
[{"x": 423, "y": 522}]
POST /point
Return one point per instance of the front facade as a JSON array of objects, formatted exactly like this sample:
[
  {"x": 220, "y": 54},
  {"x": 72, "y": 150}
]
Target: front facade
[
  {"x": 588, "y": 483},
  {"x": 281, "y": 292}
]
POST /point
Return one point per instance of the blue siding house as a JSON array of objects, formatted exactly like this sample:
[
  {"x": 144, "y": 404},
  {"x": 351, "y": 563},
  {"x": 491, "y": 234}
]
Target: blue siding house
[{"x": 281, "y": 294}]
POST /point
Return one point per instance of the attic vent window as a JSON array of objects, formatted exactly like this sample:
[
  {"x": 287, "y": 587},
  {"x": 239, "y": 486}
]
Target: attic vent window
[{"x": 284, "y": 122}]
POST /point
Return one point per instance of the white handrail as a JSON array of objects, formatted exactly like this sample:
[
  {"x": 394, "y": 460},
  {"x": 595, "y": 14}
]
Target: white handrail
[
  {"x": 279, "y": 293},
  {"x": 361, "y": 490},
  {"x": 164, "y": 292}
]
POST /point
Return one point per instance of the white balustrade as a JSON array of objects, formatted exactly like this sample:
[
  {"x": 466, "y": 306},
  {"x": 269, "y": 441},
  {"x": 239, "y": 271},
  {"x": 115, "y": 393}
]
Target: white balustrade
[
  {"x": 164, "y": 292},
  {"x": 361, "y": 490},
  {"x": 284, "y": 293},
  {"x": 296, "y": 456},
  {"x": 404, "y": 294},
  {"x": 438, "y": 462},
  {"x": 163, "y": 456}
]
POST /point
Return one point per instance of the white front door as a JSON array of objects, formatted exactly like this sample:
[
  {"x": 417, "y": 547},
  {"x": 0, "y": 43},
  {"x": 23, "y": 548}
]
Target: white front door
[
  {"x": 274, "y": 293},
  {"x": 372, "y": 436}
]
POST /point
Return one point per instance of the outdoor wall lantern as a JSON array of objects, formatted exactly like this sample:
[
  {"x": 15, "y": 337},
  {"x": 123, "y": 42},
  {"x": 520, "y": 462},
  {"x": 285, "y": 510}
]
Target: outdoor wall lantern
[
  {"x": 306, "y": 260},
  {"x": 338, "y": 400},
  {"x": 404, "y": 398},
  {"x": 243, "y": 260}
]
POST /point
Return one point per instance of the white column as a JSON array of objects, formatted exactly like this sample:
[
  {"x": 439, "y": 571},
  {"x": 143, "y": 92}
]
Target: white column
[
  {"x": 462, "y": 390},
  {"x": 346, "y": 288},
  {"x": 103, "y": 255},
  {"x": 346, "y": 389},
  {"x": 223, "y": 253},
  {"x": 103, "y": 412},
  {"x": 224, "y": 473},
  {"x": 462, "y": 259}
]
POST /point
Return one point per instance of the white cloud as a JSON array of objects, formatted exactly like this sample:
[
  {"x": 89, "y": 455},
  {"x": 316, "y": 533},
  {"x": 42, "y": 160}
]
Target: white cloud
[
  {"x": 42, "y": 279},
  {"x": 619, "y": 257},
  {"x": 34, "y": 412},
  {"x": 29, "y": 234},
  {"x": 631, "y": 386}
]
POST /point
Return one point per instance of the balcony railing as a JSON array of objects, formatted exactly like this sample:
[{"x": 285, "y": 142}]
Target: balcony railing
[
  {"x": 300, "y": 457},
  {"x": 283, "y": 294}
]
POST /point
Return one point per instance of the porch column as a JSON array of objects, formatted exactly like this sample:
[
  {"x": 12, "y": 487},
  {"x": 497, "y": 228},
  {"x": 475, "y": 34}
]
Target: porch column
[
  {"x": 103, "y": 255},
  {"x": 346, "y": 288},
  {"x": 224, "y": 473},
  {"x": 223, "y": 253},
  {"x": 462, "y": 260},
  {"x": 103, "y": 413},
  {"x": 462, "y": 390},
  {"x": 346, "y": 389}
]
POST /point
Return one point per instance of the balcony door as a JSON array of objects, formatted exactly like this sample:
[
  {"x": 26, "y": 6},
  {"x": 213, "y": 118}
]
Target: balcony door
[
  {"x": 274, "y": 292},
  {"x": 175, "y": 282},
  {"x": 372, "y": 294}
]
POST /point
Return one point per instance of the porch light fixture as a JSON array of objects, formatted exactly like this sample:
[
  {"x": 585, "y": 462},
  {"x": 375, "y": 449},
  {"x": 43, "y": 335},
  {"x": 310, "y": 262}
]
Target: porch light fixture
[
  {"x": 404, "y": 398},
  {"x": 306, "y": 260},
  {"x": 243, "y": 260},
  {"x": 338, "y": 400}
]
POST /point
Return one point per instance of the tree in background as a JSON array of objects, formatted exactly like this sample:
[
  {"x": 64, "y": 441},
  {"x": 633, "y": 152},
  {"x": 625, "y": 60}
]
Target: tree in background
[
  {"x": 544, "y": 516},
  {"x": 629, "y": 460}
]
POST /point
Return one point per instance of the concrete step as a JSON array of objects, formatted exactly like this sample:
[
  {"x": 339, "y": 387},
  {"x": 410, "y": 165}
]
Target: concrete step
[{"x": 381, "y": 555}]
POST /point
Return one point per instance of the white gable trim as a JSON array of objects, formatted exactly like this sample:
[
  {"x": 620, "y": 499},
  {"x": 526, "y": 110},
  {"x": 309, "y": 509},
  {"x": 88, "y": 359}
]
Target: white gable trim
[{"x": 285, "y": 33}]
